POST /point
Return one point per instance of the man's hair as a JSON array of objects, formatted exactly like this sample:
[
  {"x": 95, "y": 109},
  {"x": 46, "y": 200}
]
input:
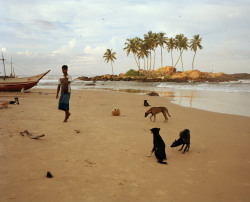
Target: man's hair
[{"x": 65, "y": 67}]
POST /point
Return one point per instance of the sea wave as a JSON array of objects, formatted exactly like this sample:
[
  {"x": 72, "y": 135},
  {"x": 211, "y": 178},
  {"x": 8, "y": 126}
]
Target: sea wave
[
  {"x": 241, "y": 86},
  {"x": 229, "y": 87}
]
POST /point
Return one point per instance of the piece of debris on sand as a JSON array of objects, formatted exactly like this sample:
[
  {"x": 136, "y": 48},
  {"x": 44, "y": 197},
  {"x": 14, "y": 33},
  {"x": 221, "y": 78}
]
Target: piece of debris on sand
[{"x": 28, "y": 134}]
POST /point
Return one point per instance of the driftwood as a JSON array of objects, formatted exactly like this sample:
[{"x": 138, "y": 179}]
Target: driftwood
[{"x": 28, "y": 134}]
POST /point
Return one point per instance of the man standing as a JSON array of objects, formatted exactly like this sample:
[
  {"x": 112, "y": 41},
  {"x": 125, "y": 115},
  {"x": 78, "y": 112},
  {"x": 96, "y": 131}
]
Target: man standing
[{"x": 64, "y": 84}]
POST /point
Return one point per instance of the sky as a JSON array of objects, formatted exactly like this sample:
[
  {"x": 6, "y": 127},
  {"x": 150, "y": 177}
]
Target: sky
[{"x": 41, "y": 35}]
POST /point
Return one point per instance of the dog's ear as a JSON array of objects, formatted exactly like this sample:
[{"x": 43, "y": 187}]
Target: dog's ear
[{"x": 159, "y": 129}]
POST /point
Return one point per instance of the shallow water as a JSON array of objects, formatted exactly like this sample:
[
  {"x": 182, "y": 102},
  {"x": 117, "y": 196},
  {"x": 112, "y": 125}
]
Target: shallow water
[{"x": 225, "y": 97}]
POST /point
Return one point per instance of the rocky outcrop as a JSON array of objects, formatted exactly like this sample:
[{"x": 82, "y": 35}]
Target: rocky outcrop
[
  {"x": 171, "y": 76},
  {"x": 168, "y": 70}
]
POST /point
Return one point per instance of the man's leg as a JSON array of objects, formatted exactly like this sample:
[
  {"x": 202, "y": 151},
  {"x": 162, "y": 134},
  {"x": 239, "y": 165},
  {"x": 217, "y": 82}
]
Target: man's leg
[{"x": 67, "y": 114}]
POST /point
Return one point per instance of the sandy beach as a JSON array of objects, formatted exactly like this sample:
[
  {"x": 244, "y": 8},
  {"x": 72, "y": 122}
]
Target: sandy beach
[{"x": 107, "y": 160}]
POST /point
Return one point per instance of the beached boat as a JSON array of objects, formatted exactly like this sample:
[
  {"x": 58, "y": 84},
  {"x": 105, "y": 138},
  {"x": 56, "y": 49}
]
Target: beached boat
[
  {"x": 12, "y": 83},
  {"x": 17, "y": 84}
]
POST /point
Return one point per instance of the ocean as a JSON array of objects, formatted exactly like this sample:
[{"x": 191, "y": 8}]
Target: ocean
[{"x": 223, "y": 97}]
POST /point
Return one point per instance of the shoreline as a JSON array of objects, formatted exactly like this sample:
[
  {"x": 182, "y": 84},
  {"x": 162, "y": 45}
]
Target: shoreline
[
  {"x": 109, "y": 153},
  {"x": 224, "y": 103}
]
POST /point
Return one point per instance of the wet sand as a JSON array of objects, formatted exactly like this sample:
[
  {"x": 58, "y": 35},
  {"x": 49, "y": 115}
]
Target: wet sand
[
  {"x": 107, "y": 160},
  {"x": 222, "y": 102}
]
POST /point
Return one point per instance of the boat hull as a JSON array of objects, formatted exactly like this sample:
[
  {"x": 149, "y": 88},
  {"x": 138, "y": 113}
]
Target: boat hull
[{"x": 17, "y": 84}]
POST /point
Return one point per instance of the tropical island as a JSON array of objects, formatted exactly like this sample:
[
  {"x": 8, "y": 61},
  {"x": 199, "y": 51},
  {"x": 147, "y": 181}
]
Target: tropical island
[
  {"x": 142, "y": 50},
  {"x": 168, "y": 74}
]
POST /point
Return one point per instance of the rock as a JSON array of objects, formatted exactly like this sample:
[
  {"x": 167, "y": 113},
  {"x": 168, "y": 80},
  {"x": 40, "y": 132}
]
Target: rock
[
  {"x": 166, "y": 70},
  {"x": 90, "y": 84},
  {"x": 153, "y": 94},
  {"x": 84, "y": 78},
  {"x": 122, "y": 75}
]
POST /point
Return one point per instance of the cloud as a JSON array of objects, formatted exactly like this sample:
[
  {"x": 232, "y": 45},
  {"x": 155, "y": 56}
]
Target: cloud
[
  {"x": 79, "y": 32},
  {"x": 99, "y": 50},
  {"x": 27, "y": 53},
  {"x": 45, "y": 25},
  {"x": 67, "y": 48}
]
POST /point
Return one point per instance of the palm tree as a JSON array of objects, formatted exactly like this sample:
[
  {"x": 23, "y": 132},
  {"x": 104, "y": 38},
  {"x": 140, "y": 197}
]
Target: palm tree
[
  {"x": 131, "y": 46},
  {"x": 143, "y": 51},
  {"x": 162, "y": 40},
  {"x": 181, "y": 44},
  {"x": 155, "y": 45},
  {"x": 184, "y": 45},
  {"x": 146, "y": 50},
  {"x": 194, "y": 44},
  {"x": 148, "y": 39},
  {"x": 110, "y": 56},
  {"x": 137, "y": 42},
  {"x": 170, "y": 47},
  {"x": 178, "y": 39}
]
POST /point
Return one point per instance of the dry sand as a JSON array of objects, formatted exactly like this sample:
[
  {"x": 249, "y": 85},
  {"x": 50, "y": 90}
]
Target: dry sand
[{"x": 107, "y": 160}]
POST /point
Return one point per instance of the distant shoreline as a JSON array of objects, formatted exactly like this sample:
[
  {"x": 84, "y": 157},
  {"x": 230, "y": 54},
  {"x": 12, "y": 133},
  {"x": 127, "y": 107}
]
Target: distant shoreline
[{"x": 187, "y": 76}]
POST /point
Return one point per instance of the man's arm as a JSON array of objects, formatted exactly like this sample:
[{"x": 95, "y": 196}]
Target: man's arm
[
  {"x": 58, "y": 89},
  {"x": 67, "y": 80}
]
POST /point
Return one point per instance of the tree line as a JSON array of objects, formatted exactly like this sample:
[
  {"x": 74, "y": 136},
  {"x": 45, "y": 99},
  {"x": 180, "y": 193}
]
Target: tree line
[{"x": 144, "y": 48}]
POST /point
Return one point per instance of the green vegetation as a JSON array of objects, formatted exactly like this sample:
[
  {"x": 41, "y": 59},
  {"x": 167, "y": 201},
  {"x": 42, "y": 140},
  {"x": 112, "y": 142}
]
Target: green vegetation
[{"x": 132, "y": 73}]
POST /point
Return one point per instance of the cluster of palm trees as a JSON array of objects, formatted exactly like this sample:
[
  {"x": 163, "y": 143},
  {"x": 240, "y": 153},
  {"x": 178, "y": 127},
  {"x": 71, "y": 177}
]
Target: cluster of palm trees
[{"x": 143, "y": 48}]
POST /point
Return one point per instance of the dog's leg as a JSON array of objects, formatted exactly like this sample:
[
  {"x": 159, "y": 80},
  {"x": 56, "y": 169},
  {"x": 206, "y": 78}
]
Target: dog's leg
[
  {"x": 151, "y": 117},
  {"x": 185, "y": 149},
  {"x": 181, "y": 147},
  {"x": 166, "y": 118},
  {"x": 154, "y": 117},
  {"x": 151, "y": 152}
]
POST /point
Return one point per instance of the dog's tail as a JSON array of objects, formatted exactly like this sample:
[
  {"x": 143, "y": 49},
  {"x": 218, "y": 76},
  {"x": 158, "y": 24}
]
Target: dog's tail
[{"x": 161, "y": 162}]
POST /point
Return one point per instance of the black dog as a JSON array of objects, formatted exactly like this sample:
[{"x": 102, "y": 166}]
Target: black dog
[
  {"x": 14, "y": 102},
  {"x": 146, "y": 103},
  {"x": 184, "y": 140},
  {"x": 159, "y": 146}
]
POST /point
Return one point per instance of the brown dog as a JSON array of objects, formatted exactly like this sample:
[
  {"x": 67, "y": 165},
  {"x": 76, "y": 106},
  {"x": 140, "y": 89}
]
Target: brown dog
[{"x": 157, "y": 110}]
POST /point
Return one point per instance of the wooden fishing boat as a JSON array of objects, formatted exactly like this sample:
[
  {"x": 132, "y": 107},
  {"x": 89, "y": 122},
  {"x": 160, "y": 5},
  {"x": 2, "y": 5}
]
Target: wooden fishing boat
[
  {"x": 17, "y": 84},
  {"x": 12, "y": 83}
]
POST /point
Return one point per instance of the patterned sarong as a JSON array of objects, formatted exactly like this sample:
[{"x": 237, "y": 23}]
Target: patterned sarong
[{"x": 64, "y": 102}]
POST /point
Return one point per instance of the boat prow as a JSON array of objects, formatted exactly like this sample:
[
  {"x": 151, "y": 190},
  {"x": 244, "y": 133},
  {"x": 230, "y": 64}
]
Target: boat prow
[{"x": 17, "y": 84}]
